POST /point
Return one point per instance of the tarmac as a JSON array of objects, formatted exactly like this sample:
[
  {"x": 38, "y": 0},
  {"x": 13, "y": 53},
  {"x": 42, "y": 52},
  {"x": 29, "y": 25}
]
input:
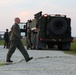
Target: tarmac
[{"x": 44, "y": 62}]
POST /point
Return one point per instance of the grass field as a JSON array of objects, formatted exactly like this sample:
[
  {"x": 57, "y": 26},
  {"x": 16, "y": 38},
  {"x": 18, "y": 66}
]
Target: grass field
[
  {"x": 71, "y": 51},
  {"x": 2, "y": 42},
  {"x": 73, "y": 48}
]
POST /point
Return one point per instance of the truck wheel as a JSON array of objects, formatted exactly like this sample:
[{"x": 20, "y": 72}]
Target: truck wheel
[
  {"x": 58, "y": 25},
  {"x": 66, "y": 46}
]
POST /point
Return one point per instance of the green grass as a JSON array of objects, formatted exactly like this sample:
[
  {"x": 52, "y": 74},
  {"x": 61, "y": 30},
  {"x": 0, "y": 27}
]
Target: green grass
[
  {"x": 3, "y": 63},
  {"x": 73, "y": 48},
  {"x": 2, "y": 42},
  {"x": 24, "y": 42}
]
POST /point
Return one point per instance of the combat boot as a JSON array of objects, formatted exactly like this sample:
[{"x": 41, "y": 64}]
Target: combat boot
[
  {"x": 9, "y": 61},
  {"x": 29, "y": 59}
]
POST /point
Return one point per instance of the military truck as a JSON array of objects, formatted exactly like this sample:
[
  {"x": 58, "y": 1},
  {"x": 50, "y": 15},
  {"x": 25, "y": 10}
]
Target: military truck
[{"x": 49, "y": 31}]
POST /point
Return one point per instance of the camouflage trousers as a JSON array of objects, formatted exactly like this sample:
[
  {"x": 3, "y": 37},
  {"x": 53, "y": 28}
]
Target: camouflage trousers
[{"x": 17, "y": 44}]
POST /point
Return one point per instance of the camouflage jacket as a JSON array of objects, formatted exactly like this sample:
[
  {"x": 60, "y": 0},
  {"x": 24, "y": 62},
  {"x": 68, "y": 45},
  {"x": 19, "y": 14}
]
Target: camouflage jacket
[{"x": 15, "y": 32}]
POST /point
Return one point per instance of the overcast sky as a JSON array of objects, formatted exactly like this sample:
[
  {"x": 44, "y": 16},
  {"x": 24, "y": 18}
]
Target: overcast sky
[{"x": 25, "y": 9}]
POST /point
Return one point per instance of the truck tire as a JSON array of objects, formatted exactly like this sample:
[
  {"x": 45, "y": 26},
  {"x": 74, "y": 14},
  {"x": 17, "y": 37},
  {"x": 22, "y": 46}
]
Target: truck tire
[
  {"x": 64, "y": 46},
  {"x": 58, "y": 25}
]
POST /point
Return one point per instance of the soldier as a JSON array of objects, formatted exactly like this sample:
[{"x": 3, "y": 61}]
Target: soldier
[
  {"x": 15, "y": 39},
  {"x": 29, "y": 44},
  {"x": 6, "y": 39}
]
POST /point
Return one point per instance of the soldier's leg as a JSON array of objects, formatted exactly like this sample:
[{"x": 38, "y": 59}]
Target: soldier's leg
[
  {"x": 5, "y": 44},
  {"x": 11, "y": 50},
  {"x": 23, "y": 50},
  {"x": 28, "y": 44}
]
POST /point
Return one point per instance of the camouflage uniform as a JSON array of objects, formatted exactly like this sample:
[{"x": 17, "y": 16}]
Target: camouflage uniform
[{"x": 15, "y": 39}]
